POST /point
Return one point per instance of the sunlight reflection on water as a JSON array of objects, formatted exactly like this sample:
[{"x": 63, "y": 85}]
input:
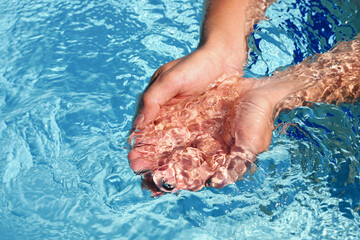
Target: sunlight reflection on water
[{"x": 70, "y": 74}]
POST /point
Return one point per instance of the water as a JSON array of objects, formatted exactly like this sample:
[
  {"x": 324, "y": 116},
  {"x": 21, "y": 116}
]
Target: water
[{"x": 70, "y": 73}]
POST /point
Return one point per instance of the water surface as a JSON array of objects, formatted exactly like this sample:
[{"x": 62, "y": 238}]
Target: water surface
[{"x": 70, "y": 73}]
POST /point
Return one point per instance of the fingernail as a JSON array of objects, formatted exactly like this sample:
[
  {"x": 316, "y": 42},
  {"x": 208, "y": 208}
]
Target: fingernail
[{"x": 139, "y": 120}]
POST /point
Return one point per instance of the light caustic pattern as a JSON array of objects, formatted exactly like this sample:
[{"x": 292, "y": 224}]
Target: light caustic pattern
[{"x": 191, "y": 143}]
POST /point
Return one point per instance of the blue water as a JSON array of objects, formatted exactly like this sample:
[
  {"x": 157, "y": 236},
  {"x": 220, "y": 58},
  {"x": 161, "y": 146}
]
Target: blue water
[{"x": 70, "y": 73}]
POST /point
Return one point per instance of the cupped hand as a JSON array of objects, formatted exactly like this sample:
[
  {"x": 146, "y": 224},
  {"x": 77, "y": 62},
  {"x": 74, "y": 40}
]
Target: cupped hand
[
  {"x": 187, "y": 76},
  {"x": 208, "y": 140}
]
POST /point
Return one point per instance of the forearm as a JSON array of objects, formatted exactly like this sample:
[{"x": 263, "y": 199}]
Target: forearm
[
  {"x": 330, "y": 77},
  {"x": 227, "y": 23}
]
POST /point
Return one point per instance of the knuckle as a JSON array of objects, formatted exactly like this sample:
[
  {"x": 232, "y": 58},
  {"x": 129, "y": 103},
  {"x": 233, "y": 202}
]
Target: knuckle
[{"x": 147, "y": 98}]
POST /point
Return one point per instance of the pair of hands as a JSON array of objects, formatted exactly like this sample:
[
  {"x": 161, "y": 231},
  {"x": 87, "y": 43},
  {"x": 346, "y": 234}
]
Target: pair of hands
[{"x": 164, "y": 147}]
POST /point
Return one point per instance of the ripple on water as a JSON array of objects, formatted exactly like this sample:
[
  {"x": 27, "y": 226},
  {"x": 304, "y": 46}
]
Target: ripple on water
[{"x": 70, "y": 73}]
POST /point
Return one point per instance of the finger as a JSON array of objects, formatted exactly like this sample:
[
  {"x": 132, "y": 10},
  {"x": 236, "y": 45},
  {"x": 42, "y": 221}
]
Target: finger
[
  {"x": 142, "y": 165},
  {"x": 165, "y": 88},
  {"x": 155, "y": 78}
]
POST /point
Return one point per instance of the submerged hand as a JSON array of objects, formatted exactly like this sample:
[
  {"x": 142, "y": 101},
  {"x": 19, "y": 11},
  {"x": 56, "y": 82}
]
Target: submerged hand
[{"x": 248, "y": 132}]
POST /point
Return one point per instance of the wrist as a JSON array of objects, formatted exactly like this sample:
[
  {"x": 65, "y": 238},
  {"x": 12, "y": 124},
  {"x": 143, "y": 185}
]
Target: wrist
[
  {"x": 278, "y": 93},
  {"x": 289, "y": 90},
  {"x": 230, "y": 51}
]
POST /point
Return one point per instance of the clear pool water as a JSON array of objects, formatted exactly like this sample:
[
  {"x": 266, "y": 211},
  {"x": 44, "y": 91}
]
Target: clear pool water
[{"x": 70, "y": 73}]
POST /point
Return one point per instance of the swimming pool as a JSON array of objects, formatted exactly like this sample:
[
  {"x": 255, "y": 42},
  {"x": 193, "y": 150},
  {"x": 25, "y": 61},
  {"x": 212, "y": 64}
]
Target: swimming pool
[{"x": 70, "y": 74}]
